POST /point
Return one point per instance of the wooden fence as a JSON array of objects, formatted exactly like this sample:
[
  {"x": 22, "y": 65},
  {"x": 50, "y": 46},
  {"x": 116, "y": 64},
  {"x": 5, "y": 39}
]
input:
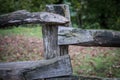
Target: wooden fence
[{"x": 57, "y": 36}]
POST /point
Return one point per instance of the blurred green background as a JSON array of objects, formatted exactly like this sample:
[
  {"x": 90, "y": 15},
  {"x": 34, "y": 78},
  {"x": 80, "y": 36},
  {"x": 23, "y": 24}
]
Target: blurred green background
[{"x": 86, "y": 14}]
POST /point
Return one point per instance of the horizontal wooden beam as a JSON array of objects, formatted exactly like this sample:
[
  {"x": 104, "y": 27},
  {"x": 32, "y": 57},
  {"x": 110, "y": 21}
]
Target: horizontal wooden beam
[
  {"x": 24, "y": 17},
  {"x": 33, "y": 70},
  {"x": 103, "y": 38}
]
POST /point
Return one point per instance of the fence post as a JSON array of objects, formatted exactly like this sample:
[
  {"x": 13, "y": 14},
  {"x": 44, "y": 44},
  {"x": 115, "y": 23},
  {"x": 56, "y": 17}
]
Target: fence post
[
  {"x": 50, "y": 34},
  {"x": 50, "y": 40},
  {"x": 63, "y": 10}
]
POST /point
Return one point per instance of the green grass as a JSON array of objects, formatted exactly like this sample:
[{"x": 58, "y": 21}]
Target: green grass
[
  {"x": 32, "y": 31},
  {"x": 102, "y": 65}
]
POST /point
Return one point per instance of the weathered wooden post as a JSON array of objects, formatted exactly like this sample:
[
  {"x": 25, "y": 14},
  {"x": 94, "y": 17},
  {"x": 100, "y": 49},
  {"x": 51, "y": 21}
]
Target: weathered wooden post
[
  {"x": 63, "y": 10},
  {"x": 50, "y": 36}
]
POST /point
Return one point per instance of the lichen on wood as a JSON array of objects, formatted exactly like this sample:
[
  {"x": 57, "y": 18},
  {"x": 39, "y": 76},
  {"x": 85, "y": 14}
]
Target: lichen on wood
[
  {"x": 81, "y": 37},
  {"x": 24, "y": 17}
]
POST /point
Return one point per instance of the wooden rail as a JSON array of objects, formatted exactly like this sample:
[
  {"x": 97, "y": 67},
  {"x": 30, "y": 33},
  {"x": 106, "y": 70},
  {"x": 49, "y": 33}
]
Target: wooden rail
[
  {"x": 66, "y": 36},
  {"x": 32, "y": 70},
  {"x": 80, "y": 37},
  {"x": 24, "y": 17}
]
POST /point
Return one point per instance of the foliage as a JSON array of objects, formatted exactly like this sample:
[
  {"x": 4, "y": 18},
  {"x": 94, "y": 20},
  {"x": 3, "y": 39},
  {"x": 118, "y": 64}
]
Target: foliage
[
  {"x": 30, "y": 5},
  {"x": 84, "y": 13},
  {"x": 104, "y": 13}
]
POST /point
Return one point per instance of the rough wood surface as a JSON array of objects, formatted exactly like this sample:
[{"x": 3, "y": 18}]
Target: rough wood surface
[
  {"x": 50, "y": 36},
  {"x": 50, "y": 40},
  {"x": 25, "y": 17},
  {"x": 33, "y": 70},
  {"x": 61, "y": 9},
  {"x": 104, "y": 38}
]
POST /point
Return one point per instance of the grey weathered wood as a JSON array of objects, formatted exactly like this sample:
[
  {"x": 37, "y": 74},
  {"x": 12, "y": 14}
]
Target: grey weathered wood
[
  {"x": 50, "y": 36},
  {"x": 50, "y": 41},
  {"x": 104, "y": 38},
  {"x": 33, "y": 70},
  {"x": 63, "y": 10},
  {"x": 25, "y": 17}
]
